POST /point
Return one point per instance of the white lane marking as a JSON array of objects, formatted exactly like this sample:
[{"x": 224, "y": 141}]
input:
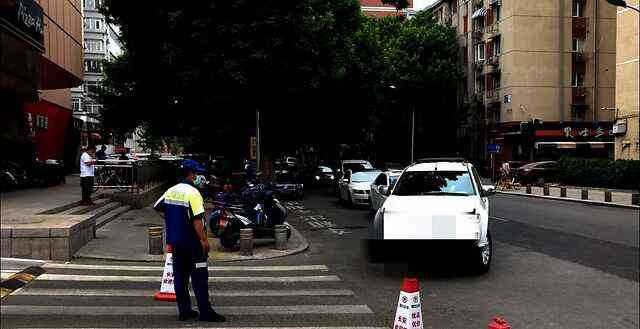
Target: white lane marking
[
  {"x": 216, "y": 293},
  {"x": 21, "y": 260},
  {"x": 499, "y": 218},
  {"x": 211, "y": 268},
  {"x": 169, "y": 310},
  {"x": 351, "y": 327},
  {"x": 127, "y": 278}
]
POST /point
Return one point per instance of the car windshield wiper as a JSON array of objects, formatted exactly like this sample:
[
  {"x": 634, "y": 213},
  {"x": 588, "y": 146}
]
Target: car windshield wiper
[{"x": 443, "y": 193}]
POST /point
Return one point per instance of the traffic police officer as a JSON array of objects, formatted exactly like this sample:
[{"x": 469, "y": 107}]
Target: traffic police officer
[{"x": 187, "y": 237}]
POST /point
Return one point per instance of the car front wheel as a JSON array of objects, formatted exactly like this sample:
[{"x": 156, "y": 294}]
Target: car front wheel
[{"x": 483, "y": 256}]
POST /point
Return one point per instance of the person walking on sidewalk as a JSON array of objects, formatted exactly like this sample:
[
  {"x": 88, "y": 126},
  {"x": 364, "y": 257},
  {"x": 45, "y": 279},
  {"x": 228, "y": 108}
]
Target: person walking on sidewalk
[
  {"x": 183, "y": 209},
  {"x": 87, "y": 171}
]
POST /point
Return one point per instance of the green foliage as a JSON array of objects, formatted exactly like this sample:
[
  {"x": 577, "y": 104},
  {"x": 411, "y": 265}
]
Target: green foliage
[{"x": 623, "y": 174}]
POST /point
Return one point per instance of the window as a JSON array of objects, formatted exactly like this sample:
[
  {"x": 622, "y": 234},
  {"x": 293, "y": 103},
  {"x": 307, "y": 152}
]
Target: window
[
  {"x": 89, "y": 4},
  {"x": 454, "y": 6},
  {"x": 497, "y": 46},
  {"x": 480, "y": 52},
  {"x": 466, "y": 24},
  {"x": 364, "y": 176},
  {"x": 381, "y": 180},
  {"x": 577, "y": 45},
  {"x": 75, "y": 104},
  {"x": 496, "y": 13},
  {"x": 97, "y": 26},
  {"x": 435, "y": 183},
  {"x": 577, "y": 10},
  {"x": 93, "y": 66},
  {"x": 99, "y": 45},
  {"x": 577, "y": 79}
]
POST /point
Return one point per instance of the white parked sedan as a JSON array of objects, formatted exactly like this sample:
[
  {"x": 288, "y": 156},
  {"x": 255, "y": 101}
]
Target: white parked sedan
[
  {"x": 439, "y": 199},
  {"x": 381, "y": 186},
  {"x": 355, "y": 187}
]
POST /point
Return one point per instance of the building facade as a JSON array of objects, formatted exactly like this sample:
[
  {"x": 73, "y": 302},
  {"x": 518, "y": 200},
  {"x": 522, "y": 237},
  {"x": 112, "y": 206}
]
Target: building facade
[
  {"x": 627, "y": 83},
  {"x": 375, "y": 8},
  {"x": 101, "y": 43},
  {"x": 537, "y": 74},
  {"x": 40, "y": 60}
]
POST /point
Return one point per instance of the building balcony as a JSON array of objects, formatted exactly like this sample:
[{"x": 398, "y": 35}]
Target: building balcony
[
  {"x": 578, "y": 95},
  {"x": 580, "y": 26},
  {"x": 478, "y": 35},
  {"x": 492, "y": 30},
  {"x": 493, "y": 62},
  {"x": 478, "y": 65},
  {"x": 492, "y": 96}
]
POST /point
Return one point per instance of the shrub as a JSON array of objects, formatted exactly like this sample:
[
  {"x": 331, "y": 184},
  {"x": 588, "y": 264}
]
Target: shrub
[{"x": 623, "y": 174}]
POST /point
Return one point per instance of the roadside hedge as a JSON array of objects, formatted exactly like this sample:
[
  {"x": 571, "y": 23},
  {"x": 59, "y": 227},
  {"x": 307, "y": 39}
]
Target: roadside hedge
[{"x": 622, "y": 174}]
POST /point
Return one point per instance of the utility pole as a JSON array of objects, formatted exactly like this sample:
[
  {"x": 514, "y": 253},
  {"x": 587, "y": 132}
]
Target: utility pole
[
  {"x": 413, "y": 130},
  {"x": 258, "y": 151}
]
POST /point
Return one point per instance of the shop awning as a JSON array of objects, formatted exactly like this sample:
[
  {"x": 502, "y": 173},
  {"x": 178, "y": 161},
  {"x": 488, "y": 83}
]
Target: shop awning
[
  {"x": 479, "y": 13},
  {"x": 573, "y": 145}
]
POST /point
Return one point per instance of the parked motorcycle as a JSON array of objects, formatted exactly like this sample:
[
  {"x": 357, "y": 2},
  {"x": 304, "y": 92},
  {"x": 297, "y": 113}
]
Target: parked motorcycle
[{"x": 228, "y": 219}]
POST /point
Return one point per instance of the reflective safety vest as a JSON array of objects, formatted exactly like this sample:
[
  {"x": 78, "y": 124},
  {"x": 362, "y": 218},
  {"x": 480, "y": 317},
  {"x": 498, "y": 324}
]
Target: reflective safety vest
[{"x": 181, "y": 204}]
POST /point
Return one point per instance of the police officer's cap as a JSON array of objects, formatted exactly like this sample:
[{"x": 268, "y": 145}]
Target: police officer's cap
[{"x": 191, "y": 164}]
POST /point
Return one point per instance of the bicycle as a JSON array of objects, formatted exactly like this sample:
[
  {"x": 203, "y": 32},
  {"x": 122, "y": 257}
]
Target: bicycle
[{"x": 109, "y": 177}]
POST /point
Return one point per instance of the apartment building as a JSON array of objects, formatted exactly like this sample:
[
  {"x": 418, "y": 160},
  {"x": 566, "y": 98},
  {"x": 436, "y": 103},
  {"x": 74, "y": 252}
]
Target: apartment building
[
  {"x": 101, "y": 43},
  {"x": 627, "y": 83},
  {"x": 537, "y": 74},
  {"x": 40, "y": 60}
]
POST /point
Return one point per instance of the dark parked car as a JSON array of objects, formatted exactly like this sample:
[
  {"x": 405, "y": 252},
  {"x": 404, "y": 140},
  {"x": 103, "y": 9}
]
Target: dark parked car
[
  {"x": 288, "y": 186},
  {"x": 323, "y": 176},
  {"x": 538, "y": 172}
]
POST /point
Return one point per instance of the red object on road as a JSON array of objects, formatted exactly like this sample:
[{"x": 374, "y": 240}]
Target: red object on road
[
  {"x": 410, "y": 285},
  {"x": 499, "y": 323}
]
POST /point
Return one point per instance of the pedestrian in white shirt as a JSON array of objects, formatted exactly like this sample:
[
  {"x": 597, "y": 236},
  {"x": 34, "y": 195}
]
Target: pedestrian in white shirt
[{"x": 86, "y": 174}]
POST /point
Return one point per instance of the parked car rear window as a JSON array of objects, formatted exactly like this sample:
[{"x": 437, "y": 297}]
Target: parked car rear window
[
  {"x": 434, "y": 183},
  {"x": 356, "y": 166},
  {"x": 364, "y": 176}
]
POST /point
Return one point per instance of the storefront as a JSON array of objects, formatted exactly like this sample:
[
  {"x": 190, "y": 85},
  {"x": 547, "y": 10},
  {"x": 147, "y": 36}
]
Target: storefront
[{"x": 550, "y": 141}]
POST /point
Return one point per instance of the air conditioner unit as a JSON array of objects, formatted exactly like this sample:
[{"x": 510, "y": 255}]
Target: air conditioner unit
[{"x": 620, "y": 128}]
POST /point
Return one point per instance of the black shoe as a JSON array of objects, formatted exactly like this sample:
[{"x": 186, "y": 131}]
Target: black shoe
[
  {"x": 212, "y": 317},
  {"x": 188, "y": 316}
]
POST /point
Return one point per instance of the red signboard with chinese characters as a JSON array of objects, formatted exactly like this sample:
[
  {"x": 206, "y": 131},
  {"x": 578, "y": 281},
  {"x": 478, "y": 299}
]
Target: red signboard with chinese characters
[{"x": 573, "y": 133}]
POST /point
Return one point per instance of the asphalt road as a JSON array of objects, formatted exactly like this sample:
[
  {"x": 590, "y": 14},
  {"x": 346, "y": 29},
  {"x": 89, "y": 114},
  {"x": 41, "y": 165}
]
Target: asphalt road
[{"x": 556, "y": 265}]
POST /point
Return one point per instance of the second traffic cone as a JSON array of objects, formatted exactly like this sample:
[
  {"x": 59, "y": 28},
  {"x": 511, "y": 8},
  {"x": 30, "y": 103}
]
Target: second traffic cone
[
  {"x": 409, "y": 312},
  {"x": 167, "y": 292},
  {"x": 499, "y": 323}
]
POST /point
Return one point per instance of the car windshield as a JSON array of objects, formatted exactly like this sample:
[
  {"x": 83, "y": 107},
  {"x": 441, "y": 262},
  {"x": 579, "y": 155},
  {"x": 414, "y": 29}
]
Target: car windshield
[
  {"x": 356, "y": 166},
  {"x": 434, "y": 183},
  {"x": 364, "y": 176},
  {"x": 325, "y": 170}
]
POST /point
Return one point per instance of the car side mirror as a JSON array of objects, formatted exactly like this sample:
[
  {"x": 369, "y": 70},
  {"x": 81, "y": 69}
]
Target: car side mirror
[
  {"x": 383, "y": 189},
  {"x": 488, "y": 189}
]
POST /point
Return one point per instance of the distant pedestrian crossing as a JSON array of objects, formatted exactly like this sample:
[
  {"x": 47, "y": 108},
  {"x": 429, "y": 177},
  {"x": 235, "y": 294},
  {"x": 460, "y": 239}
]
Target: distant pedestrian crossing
[{"x": 108, "y": 295}]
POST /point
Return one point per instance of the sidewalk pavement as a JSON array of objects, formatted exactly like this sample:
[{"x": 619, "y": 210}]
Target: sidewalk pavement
[
  {"x": 36, "y": 200},
  {"x": 596, "y": 196},
  {"x": 125, "y": 239}
]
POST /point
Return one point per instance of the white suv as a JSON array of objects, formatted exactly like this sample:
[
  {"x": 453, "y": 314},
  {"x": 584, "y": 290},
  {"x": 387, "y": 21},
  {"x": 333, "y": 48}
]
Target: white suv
[{"x": 439, "y": 199}]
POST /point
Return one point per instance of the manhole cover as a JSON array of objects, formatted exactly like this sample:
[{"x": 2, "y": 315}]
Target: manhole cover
[
  {"x": 146, "y": 225},
  {"x": 127, "y": 218}
]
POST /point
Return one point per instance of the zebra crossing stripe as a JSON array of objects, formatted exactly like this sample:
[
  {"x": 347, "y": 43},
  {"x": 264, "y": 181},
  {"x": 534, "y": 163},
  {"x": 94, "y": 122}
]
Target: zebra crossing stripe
[
  {"x": 351, "y": 327},
  {"x": 211, "y": 268},
  {"x": 128, "y": 278},
  {"x": 34, "y": 310},
  {"x": 147, "y": 293}
]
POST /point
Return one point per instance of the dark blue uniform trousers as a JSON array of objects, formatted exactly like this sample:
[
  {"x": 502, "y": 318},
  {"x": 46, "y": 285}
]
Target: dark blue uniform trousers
[{"x": 190, "y": 260}]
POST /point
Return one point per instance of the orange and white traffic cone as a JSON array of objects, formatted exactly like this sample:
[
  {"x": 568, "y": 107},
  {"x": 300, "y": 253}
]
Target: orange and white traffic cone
[
  {"x": 499, "y": 323},
  {"x": 409, "y": 312},
  {"x": 167, "y": 293}
]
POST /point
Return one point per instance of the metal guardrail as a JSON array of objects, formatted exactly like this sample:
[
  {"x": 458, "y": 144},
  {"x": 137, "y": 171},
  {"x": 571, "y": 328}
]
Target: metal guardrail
[{"x": 132, "y": 175}]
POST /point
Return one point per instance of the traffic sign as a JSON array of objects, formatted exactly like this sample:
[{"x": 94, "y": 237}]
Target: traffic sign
[{"x": 494, "y": 148}]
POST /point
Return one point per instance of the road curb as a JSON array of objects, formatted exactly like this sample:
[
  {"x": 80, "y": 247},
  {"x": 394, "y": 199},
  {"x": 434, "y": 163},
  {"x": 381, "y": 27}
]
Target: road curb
[
  {"x": 589, "y": 202},
  {"x": 304, "y": 245},
  {"x": 19, "y": 280}
]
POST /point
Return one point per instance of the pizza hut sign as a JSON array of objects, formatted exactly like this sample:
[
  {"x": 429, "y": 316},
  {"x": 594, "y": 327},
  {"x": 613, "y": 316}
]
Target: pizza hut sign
[{"x": 572, "y": 133}]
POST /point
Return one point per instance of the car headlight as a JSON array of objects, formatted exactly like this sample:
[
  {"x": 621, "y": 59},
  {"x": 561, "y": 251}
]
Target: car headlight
[
  {"x": 300, "y": 186},
  {"x": 317, "y": 177},
  {"x": 331, "y": 177}
]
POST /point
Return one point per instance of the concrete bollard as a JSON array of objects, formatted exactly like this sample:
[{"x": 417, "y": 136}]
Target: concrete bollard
[
  {"x": 607, "y": 196},
  {"x": 281, "y": 237},
  {"x": 563, "y": 192},
  {"x": 528, "y": 189},
  {"x": 585, "y": 194},
  {"x": 155, "y": 240},
  {"x": 246, "y": 242},
  {"x": 635, "y": 199},
  {"x": 545, "y": 189}
]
